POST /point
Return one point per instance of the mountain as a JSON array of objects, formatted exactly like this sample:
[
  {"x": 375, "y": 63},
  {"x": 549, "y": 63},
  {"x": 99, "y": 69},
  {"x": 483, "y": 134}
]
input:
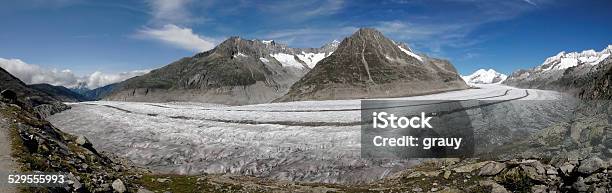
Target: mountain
[
  {"x": 60, "y": 93},
  {"x": 81, "y": 88},
  {"x": 568, "y": 72},
  {"x": 237, "y": 71},
  {"x": 101, "y": 92},
  {"x": 22, "y": 90},
  {"x": 369, "y": 65},
  {"x": 30, "y": 98},
  {"x": 597, "y": 85},
  {"x": 483, "y": 76}
]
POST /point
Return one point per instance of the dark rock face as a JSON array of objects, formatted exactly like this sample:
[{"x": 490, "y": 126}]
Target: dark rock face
[
  {"x": 60, "y": 93},
  {"x": 367, "y": 64},
  {"x": 597, "y": 85},
  {"x": 237, "y": 71},
  {"x": 9, "y": 95}
]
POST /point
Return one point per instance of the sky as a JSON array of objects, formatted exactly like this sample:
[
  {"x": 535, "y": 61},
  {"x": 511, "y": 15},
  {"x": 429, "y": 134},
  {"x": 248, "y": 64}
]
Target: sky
[{"x": 95, "y": 43}]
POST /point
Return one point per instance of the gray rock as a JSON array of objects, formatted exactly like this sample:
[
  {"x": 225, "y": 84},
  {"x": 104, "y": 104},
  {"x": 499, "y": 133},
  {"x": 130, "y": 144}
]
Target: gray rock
[
  {"x": 532, "y": 173},
  {"x": 142, "y": 190},
  {"x": 495, "y": 188},
  {"x": 83, "y": 141},
  {"x": 469, "y": 167},
  {"x": 447, "y": 174},
  {"x": 538, "y": 189},
  {"x": 491, "y": 169},
  {"x": 552, "y": 171},
  {"x": 119, "y": 186},
  {"x": 580, "y": 186},
  {"x": 591, "y": 165},
  {"x": 77, "y": 185},
  {"x": 567, "y": 168}
]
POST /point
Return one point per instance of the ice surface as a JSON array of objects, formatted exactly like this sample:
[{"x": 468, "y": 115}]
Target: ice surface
[
  {"x": 312, "y": 59},
  {"x": 264, "y": 60},
  {"x": 287, "y": 60},
  {"x": 311, "y": 141}
]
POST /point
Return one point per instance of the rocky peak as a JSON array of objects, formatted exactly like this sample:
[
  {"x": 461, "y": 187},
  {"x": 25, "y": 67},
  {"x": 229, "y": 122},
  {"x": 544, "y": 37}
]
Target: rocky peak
[
  {"x": 371, "y": 41},
  {"x": 368, "y": 32},
  {"x": 564, "y": 60},
  {"x": 236, "y": 46},
  {"x": 366, "y": 61}
]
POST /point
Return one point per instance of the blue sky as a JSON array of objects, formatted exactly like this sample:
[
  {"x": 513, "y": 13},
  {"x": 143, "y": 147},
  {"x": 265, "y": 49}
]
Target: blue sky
[{"x": 117, "y": 39}]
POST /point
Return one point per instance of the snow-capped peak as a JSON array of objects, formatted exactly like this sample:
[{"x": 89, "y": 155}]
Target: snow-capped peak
[
  {"x": 483, "y": 76},
  {"x": 565, "y": 60},
  {"x": 267, "y": 42}
]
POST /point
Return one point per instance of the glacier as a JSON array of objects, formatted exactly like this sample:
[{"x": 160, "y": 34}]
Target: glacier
[{"x": 306, "y": 141}]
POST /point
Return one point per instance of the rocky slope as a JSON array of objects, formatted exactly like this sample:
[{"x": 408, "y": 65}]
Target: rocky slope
[
  {"x": 598, "y": 86},
  {"x": 483, "y": 76},
  {"x": 60, "y": 93},
  {"x": 38, "y": 146},
  {"x": 571, "y": 72},
  {"x": 237, "y": 71},
  {"x": 100, "y": 93},
  {"x": 29, "y": 98},
  {"x": 369, "y": 65}
]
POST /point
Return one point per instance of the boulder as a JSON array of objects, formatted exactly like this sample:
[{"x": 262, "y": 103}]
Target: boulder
[
  {"x": 83, "y": 141},
  {"x": 118, "y": 186},
  {"x": 492, "y": 168},
  {"x": 538, "y": 189},
  {"x": 495, "y": 187},
  {"x": 567, "y": 168},
  {"x": 591, "y": 165},
  {"x": 580, "y": 186},
  {"x": 469, "y": 167}
]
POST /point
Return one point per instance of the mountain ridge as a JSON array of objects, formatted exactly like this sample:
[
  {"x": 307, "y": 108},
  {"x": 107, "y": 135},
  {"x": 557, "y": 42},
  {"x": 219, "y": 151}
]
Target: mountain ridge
[
  {"x": 483, "y": 76},
  {"x": 237, "y": 71},
  {"x": 367, "y": 65},
  {"x": 573, "y": 72},
  {"x": 60, "y": 93}
]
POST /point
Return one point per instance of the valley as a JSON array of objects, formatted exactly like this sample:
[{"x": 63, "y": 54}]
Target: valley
[{"x": 305, "y": 141}]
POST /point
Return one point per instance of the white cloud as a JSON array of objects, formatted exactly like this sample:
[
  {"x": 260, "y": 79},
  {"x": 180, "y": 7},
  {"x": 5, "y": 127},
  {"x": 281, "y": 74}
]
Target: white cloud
[
  {"x": 170, "y": 11},
  {"x": 530, "y": 2},
  {"x": 301, "y": 10},
  {"x": 179, "y": 37},
  {"x": 34, "y": 74},
  {"x": 329, "y": 7},
  {"x": 100, "y": 79}
]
